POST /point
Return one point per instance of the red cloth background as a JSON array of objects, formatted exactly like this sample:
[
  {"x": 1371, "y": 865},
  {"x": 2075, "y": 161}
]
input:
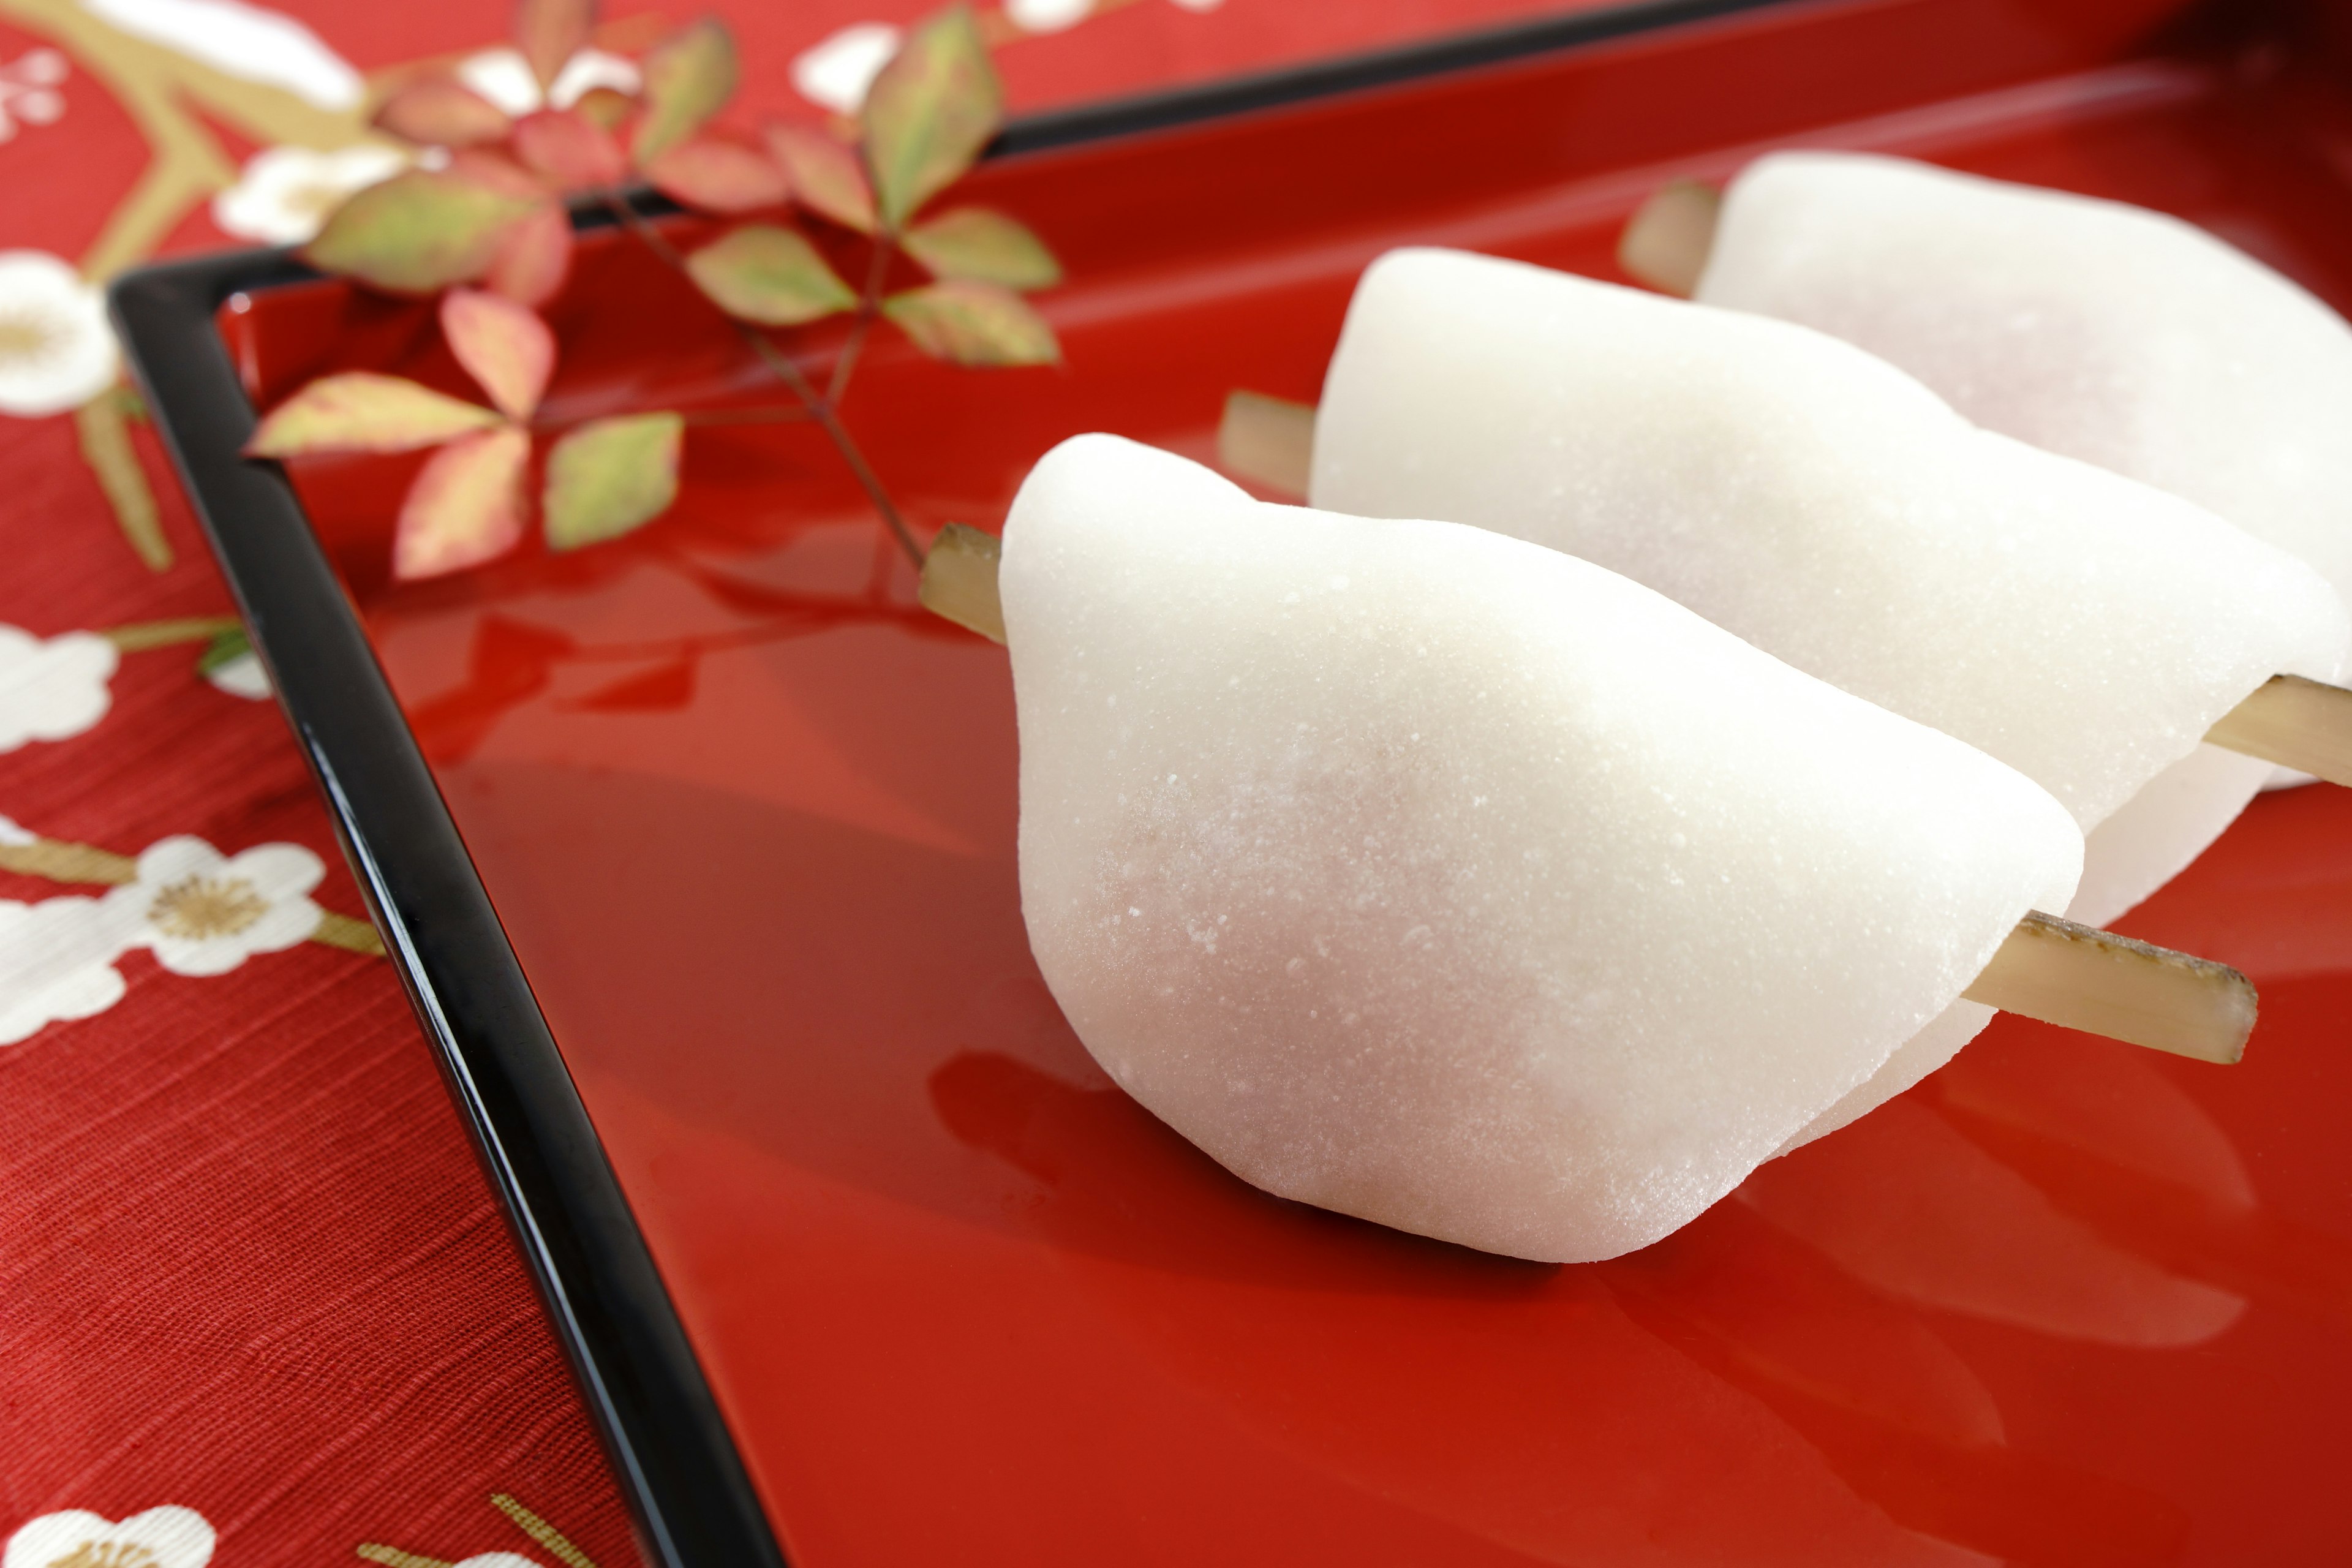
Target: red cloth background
[{"x": 248, "y": 1264}]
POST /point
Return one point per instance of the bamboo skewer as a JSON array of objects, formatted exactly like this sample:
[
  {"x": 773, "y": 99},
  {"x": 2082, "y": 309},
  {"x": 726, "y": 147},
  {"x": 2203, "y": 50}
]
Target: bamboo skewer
[
  {"x": 2049, "y": 969},
  {"x": 2297, "y": 724},
  {"x": 959, "y": 581},
  {"x": 2102, "y": 983},
  {"x": 2294, "y": 722},
  {"x": 1269, "y": 439},
  {"x": 1667, "y": 241}
]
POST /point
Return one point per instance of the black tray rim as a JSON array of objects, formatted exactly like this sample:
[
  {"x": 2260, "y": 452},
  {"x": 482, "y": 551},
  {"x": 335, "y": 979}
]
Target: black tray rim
[{"x": 689, "y": 1493}]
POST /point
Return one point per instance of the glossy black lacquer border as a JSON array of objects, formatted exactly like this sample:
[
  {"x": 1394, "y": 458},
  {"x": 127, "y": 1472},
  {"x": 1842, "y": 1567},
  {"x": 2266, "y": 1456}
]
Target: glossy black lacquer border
[{"x": 694, "y": 1504}]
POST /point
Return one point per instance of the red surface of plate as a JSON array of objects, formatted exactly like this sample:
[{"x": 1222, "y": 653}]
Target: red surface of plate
[{"x": 749, "y": 818}]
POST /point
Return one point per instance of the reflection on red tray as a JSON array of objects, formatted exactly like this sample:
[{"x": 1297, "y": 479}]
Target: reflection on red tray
[{"x": 748, "y": 815}]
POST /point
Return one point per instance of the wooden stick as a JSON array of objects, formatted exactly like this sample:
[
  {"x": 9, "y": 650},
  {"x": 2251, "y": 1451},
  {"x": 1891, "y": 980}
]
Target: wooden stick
[
  {"x": 2297, "y": 724},
  {"x": 2102, "y": 983},
  {"x": 1667, "y": 241},
  {"x": 1268, "y": 439},
  {"x": 2049, "y": 969},
  {"x": 959, "y": 581}
]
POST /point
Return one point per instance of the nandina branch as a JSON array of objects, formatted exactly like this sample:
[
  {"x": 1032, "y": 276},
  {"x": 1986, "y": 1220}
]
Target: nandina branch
[
  {"x": 869, "y": 305},
  {"x": 785, "y": 369},
  {"x": 770, "y": 414}
]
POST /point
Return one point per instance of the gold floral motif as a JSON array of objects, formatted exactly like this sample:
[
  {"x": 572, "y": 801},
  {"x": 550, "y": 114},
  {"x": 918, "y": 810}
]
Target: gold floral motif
[
  {"x": 199, "y": 907},
  {"x": 106, "y": 1554},
  {"x": 26, "y": 337}
]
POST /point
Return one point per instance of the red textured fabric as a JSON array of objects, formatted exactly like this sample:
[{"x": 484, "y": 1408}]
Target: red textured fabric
[{"x": 248, "y": 1267}]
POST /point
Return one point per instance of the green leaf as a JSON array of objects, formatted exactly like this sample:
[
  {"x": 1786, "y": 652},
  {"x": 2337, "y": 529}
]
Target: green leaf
[
  {"x": 974, "y": 325},
  {"x": 769, "y": 275},
  {"x": 439, "y": 111},
  {"x": 716, "y": 176},
  {"x": 550, "y": 32},
  {"x": 223, "y": 646},
  {"x": 359, "y": 411},
  {"x": 825, "y": 176},
  {"x": 930, "y": 112},
  {"x": 689, "y": 76},
  {"x": 610, "y": 476},
  {"x": 417, "y": 232},
  {"x": 503, "y": 345},
  {"x": 983, "y": 246},
  {"x": 465, "y": 507}
]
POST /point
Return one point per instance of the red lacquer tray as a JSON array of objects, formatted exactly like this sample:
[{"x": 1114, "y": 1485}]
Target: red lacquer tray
[{"x": 746, "y": 817}]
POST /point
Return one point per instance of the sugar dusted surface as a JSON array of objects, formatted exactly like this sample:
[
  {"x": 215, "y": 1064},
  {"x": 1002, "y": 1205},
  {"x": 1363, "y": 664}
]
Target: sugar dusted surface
[
  {"x": 1425, "y": 875},
  {"x": 2123, "y": 337},
  {"x": 1828, "y": 508}
]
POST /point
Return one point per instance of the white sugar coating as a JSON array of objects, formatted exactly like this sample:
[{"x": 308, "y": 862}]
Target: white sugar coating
[
  {"x": 1438, "y": 878},
  {"x": 2121, "y": 336},
  {"x": 1819, "y": 503}
]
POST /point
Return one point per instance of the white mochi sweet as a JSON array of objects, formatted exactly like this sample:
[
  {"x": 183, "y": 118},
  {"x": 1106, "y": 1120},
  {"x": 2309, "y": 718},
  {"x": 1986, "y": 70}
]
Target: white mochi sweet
[
  {"x": 1817, "y": 501},
  {"x": 1428, "y": 875},
  {"x": 2107, "y": 332}
]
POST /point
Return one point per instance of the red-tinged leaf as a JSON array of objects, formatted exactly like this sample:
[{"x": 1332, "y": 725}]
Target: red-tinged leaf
[
  {"x": 716, "y": 176},
  {"x": 974, "y": 325},
  {"x": 503, "y": 345},
  {"x": 664, "y": 687},
  {"x": 570, "y": 151},
  {"x": 496, "y": 172},
  {"x": 983, "y": 246},
  {"x": 930, "y": 112},
  {"x": 550, "y": 32},
  {"x": 769, "y": 275},
  {"x": 606, "y": 107},
  {"x": 689, "y": 76},
  {"x": 359, "y": 411},
  {"x": 465, "y": 507},
  {"x": 824, "y": 174},
  {"x": 532, "y": 264},
  {"x": 611, "y": 476},
  {"x": 417, "y": 232},
  {"x": 441, "y": 111}
]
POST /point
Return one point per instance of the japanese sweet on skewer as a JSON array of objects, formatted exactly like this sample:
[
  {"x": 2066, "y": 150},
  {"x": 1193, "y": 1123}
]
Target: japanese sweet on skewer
[
  {"x": 1444, "y": 879},
  {"x": 1819, "y": 503},
  {"x": 2124, "y": 337}
]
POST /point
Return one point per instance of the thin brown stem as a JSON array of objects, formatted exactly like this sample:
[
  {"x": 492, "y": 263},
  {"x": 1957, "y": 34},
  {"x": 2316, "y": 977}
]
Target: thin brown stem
[
  {"x": 788, "y": 371},
  {"x": 748, "y": 416},
  {"x": 872, "y": 484},
  {"x": 797, "y": 414},
  {"x": 869, "y": 305}
]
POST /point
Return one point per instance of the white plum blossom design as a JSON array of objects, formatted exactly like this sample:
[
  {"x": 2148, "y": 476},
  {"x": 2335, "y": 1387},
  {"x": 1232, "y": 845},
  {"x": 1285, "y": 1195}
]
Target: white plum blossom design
[
  {"x": 52, "y": 688},
  {"x": 835, "y": 72},
  {"x": 56, "y": 352},
  {"x": 199, "y": 911},
  {"x": 283, "y": 194},
  {"x": 246, "y": 42},
  {"x": 241, "y": 677},
  {"x": 504, "y": 76},
  {"x": 29, "y": 91},
  {"x": 159, "y": 1538},
  {"x": 57, "y": 962},
  {"x": 1047, "y": 15},
  {"x": 204, "y": 913}
]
